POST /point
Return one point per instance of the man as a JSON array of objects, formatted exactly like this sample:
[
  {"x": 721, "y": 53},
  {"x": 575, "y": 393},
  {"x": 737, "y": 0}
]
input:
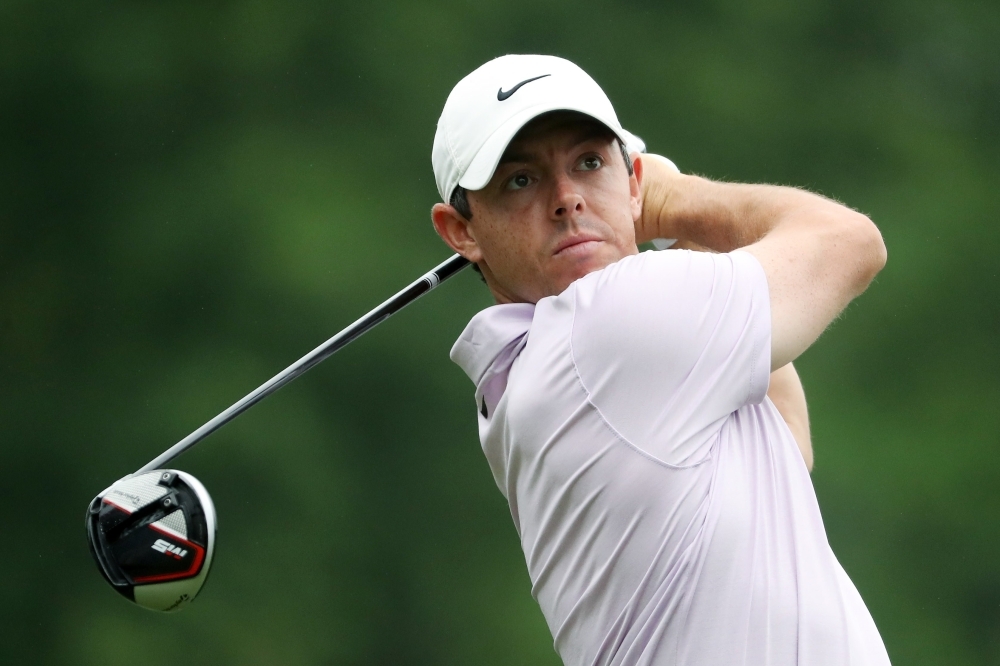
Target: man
[{"x": 666, "y": 514}]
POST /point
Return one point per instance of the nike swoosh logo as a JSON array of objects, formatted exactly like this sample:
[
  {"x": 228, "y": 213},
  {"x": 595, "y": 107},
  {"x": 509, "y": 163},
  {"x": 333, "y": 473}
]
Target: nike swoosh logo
[{"x": 502, "y": 95}]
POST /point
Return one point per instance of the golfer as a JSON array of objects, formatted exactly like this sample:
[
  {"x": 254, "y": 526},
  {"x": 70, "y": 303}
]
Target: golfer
[{"x": 640, "y": 412}]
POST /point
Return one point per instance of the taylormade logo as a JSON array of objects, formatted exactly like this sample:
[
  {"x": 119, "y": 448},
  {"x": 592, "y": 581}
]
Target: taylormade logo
[
  {"x": 168, "y": 548},
  {"x": 134, "y": 499}
]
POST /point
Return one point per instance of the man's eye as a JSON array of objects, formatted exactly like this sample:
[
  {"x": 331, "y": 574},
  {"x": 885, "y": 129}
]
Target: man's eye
[
  {"x": 591, "y": 163},
  {"x": 519, "y": 181}
]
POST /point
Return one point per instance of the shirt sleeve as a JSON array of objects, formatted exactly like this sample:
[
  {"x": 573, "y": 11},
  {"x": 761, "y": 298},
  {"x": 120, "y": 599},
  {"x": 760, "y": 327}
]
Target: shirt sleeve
[{"x": 669, "y": 344}]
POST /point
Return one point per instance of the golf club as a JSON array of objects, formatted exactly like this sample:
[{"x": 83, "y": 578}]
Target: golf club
[{"x": 152, "y": 533}]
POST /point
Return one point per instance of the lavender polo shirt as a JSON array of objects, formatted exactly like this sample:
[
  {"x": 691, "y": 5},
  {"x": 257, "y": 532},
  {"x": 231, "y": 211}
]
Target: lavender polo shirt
[{"x": 664, "y": 509}]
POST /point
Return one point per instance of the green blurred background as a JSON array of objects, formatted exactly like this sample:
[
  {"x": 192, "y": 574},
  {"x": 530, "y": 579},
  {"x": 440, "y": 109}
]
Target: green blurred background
[{"x": 193, "y": 194}]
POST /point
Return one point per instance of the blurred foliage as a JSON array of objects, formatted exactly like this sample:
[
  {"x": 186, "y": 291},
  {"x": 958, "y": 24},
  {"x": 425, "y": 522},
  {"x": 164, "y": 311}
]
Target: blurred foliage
[{"x": 192, "y": 195}]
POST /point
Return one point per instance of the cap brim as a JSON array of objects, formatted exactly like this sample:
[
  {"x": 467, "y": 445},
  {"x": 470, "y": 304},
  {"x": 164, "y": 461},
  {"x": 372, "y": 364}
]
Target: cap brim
[{"x": 481, "y": 169}]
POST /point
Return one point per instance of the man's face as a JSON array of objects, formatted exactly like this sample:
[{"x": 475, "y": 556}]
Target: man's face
[{"x": 560, "y": 205}]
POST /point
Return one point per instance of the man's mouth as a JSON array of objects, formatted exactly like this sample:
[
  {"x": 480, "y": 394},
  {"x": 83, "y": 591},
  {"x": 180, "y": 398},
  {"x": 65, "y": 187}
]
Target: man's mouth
[{"x": 580, "y": 244}]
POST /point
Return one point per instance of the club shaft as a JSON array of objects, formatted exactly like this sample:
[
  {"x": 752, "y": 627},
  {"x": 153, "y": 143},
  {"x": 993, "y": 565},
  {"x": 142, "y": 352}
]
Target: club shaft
[{"x": 390, "y": 307}]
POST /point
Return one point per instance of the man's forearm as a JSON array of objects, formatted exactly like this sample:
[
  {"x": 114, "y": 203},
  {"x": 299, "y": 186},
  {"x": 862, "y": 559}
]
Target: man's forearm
[{"x": 718, "y": 216}]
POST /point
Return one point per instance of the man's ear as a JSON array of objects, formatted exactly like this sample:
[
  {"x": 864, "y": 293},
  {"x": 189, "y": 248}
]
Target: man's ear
[
  {"x": 635, "y": 186},
  {"x": 454, "y": 230}
]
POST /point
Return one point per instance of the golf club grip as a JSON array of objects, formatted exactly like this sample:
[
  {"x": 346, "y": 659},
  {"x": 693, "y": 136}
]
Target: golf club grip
[{"x": 412, "y": 292}]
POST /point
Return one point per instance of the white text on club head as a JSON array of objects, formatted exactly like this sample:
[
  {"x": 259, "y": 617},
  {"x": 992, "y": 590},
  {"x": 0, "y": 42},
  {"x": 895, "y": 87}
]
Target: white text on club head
[{"x": 169, "y": 548}]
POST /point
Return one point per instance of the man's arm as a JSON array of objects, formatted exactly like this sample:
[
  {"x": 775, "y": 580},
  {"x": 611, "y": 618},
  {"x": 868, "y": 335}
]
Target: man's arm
[
  {"x": 785, "y": 391},
  {"x": 817, "y": 254}
]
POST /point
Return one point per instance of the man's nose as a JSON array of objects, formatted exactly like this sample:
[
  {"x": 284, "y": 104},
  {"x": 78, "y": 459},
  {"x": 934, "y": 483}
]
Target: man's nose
[{"x": 567, "y": 200}]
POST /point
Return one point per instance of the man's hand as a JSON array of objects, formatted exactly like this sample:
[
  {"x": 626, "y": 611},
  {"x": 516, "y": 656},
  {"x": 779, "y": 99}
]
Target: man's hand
[
  {"x": 817, "y": 254},
  {"x": 659, "y": 179}
]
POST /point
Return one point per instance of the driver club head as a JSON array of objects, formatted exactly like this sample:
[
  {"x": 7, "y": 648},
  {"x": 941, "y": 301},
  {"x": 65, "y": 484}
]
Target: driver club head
[{"x": 153, "y": 536}]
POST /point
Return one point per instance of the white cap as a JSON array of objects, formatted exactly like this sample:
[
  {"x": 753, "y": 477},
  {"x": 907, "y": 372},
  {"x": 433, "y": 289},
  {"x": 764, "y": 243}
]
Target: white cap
[{"x": 489, "y": 106}]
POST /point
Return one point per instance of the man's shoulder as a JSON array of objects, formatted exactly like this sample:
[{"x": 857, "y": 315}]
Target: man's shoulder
[
  {"x": 648, "y": 277},
  {"x": 668, "y": 345}
]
